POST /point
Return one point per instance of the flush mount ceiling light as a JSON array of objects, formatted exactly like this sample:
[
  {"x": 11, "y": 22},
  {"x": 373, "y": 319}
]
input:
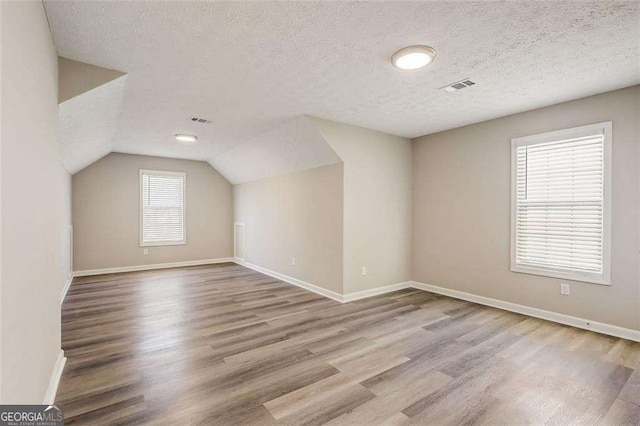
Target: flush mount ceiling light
[
  {"x": 186, "y": 138},
  {"x": 413, "y": 57}
]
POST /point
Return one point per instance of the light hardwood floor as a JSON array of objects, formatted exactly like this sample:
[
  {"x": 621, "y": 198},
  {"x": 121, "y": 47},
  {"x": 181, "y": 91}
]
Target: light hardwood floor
[{"x": 225, "y": 345}]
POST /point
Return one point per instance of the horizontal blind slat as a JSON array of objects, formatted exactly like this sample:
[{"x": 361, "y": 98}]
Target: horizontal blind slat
[
  {"x": 559, "y": 192},
  {"x": 162, "y": 208}
]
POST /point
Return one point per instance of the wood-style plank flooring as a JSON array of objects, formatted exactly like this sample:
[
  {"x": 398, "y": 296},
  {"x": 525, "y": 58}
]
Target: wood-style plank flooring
[{"x": 225, "y": 345}]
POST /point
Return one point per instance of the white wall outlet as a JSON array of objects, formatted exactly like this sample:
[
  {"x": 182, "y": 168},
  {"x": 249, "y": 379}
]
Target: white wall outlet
[
  {"x": 565, "y": 289},
  {"x": 145, "y": 251},
  {"x": 364, "y": 270},
  {"x": 293, "y": 261}
]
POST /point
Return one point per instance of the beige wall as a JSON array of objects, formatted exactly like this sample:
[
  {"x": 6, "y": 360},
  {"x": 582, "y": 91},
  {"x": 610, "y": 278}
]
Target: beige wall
[
  {"x": 106, "y": 218},
  {"x": 35, "y": 210},
  {"x": 377, "y": 204},
  {"x": 296, "y": 215},
  {"x": 1, "y": 117},
  {"x": 462, "y": 210},
  {"x": 75, "y": 78}
]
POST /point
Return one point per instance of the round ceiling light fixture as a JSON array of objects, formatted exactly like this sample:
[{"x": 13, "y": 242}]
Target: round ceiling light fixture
[
  {"x": 186, "y": 138},
  {"x": 413, "y": 57}
]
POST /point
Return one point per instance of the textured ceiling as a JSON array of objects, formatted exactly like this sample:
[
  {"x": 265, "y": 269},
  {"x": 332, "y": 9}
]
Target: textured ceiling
[
  {"x": 251, "y": 66},
  {"x": 291, "y": 147},
  {"x": 88, "y": 123}
]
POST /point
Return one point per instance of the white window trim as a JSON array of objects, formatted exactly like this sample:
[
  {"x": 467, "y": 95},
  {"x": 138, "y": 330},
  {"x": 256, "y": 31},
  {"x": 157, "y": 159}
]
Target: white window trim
[
  {"x": 184, "y": 207},
  {"x": 606, "y": 129}
]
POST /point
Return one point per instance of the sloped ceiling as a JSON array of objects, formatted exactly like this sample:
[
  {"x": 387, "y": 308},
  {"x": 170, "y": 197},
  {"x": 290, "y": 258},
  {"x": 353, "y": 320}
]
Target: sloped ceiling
[
  {"x": 252, "y": 66},
  {"x": 88, "y": 123},
  {"x": 294, "y": 146}
]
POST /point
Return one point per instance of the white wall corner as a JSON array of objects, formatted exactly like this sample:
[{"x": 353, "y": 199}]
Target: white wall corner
[{"x": 54, "y": 381}]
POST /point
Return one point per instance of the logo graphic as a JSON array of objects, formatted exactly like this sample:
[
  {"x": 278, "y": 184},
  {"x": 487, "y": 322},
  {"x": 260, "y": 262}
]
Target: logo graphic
[{"x": 31, "y": 415}]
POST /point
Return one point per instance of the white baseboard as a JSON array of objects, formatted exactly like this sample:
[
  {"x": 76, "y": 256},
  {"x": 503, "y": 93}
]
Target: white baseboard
[
  {"x": 151, "y": 267},
  {"x": 307, "y": 286},
  {"x": 598, "y": 327},
  {"x": 66, "y": 288},
  {"x": 56, "y": 375},
  {"x": 375, "y": 291},
  {"x": 322, "y": 291}
]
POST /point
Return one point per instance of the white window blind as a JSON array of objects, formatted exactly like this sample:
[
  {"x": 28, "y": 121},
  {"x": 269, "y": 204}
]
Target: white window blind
[
  {"x": 161, "y": 208},
  {"x": 560, "y": 204}
]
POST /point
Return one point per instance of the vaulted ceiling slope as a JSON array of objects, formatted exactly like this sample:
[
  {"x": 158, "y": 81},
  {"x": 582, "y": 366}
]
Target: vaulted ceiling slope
[
  {"x": 293, "y": 146},
  {"x": 251, "y": 66},
  {"x": 90, "y": 100},
  {"x": 90, "y": 104}
]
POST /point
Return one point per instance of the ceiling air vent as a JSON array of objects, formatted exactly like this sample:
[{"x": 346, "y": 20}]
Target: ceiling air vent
[
  {"x": 458, "y": 85},
  {"x": 200, "y": 120}
]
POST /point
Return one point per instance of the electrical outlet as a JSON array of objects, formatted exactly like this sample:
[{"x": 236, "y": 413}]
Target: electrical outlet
[
  {"x": 565, "y": 289},
  {"x": 145, "y": 251},
  {"x": 364, "y": 270},
  {"x": 293, "y": 261}
]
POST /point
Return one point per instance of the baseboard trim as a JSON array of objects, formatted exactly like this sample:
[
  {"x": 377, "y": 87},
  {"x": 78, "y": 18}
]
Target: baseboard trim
[
  {"x": 598, "y": 327},
  {"x": 56, "y": 375},
  {"x": 66, "y": 288},
  {"x": 151, "y": 267},
  {"x": 350, "y": 297},
  {"x": 307, "y": 286}
]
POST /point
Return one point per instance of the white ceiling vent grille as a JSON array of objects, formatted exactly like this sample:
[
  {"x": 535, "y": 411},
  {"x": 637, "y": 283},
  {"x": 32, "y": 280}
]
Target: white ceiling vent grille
[
  {"x": 458, "y": 85},
  {"x": 200, "y": 120}
]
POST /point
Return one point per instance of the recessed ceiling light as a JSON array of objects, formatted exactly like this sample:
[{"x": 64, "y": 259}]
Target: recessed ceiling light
[
  {"x": 413, "y": 57},
  {"x": 186, "y": 138}
]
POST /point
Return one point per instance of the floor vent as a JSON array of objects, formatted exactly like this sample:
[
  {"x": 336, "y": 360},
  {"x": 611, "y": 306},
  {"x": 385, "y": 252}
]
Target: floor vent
[{"x": 458, "y": 85}]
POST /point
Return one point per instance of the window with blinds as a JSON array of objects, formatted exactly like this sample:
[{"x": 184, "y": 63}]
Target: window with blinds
[
  {"x": 561, "y": 204},
  {"x": 162, "y": 208}
]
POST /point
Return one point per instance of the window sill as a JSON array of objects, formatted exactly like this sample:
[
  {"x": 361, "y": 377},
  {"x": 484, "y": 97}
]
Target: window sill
[
  {"x": 585, "y": 278},
  {"x": 163, "y": 243}
]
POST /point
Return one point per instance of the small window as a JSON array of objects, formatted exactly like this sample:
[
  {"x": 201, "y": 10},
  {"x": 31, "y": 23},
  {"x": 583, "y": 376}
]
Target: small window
[
  {"x": 561, "y": 204},
  {"x": 162, "y": 208}
]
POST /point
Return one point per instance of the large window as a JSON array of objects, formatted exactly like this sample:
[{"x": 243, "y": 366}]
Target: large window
[
  {"x": 162, "y": 208},
  {"x": 561, "y": 204}
]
